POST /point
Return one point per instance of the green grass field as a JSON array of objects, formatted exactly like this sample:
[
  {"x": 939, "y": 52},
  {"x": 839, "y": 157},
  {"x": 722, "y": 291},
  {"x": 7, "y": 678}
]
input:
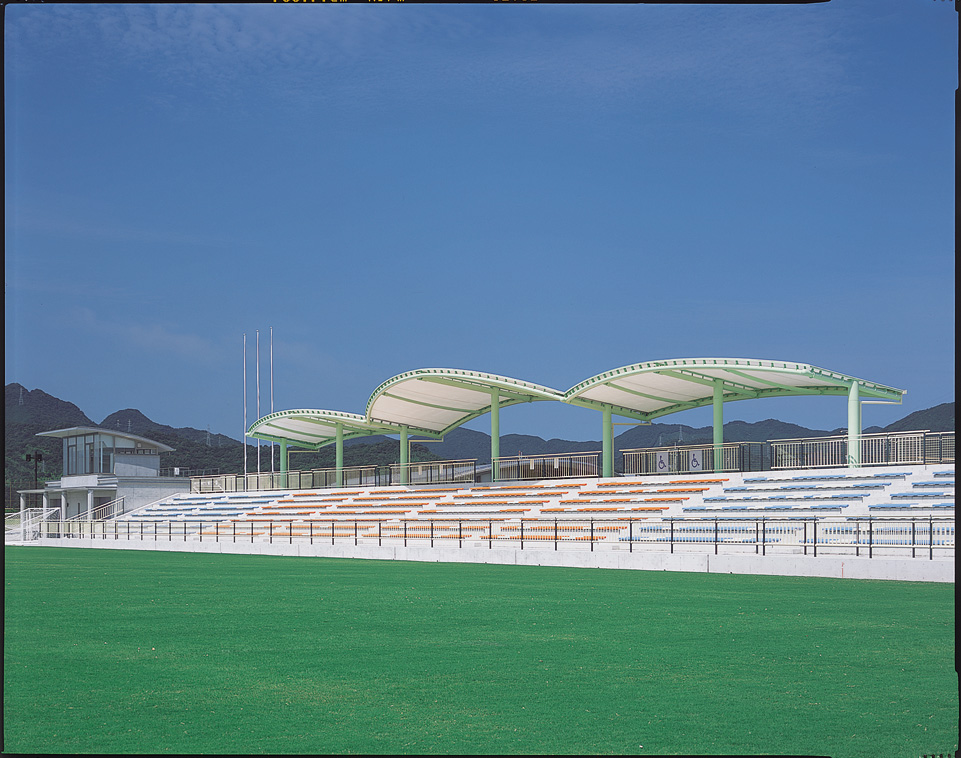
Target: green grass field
[{"x": 110, "y": 651}]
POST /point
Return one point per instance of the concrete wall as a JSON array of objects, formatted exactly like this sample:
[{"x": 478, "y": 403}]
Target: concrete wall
[
  {"x": 846, "y": 567},
  {"x": 140, "y": 491},
  {"x": 136, "y": 465}
]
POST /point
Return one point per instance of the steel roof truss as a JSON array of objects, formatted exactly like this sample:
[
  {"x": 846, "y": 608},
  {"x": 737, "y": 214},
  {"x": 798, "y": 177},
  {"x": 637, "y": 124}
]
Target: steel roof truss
[
  {"x": 426, "y": 404},
  {"x": 617, "y": 410},
  {"x": 692, "y": 376},
  {"x": 639, "y": 394},
  {"x": 799, "y": 390},
  {"x": 483, "y": 388}
]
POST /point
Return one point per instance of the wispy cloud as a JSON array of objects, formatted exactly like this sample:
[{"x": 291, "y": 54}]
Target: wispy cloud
[
  {"x": 153, "y": 338},
  {"x": 733, "y": 57}
]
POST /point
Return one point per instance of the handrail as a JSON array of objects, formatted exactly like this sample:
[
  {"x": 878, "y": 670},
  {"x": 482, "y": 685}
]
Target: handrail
[
  {"x": 863, "y": 436},
  {"x": 436, "y": 472},
  {"x": 919, "y": 446},
  {"x": 185, "y": 472},
  {"x": 142, "y": 507},
  {"x": 744, "y": 455},
  {"x": 97, "y": 512},
  {"x": 694, "y": 458},
  {"x": 550, "y": 466}
]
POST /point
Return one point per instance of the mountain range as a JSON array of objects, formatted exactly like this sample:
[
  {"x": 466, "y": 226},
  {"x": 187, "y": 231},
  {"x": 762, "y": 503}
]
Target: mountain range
[{"x": 28, "y": 412}]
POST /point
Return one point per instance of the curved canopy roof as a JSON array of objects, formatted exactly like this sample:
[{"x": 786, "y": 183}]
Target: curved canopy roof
[
  {"x": 436, "y": 400},
  {"x": 658, "y": 388},
  {"x": 433, "y": 401},
  {"x": 313, "y": 428}
]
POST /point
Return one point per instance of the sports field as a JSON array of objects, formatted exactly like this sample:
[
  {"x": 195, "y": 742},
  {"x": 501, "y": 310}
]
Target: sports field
[{"x": 131, "y": 652}]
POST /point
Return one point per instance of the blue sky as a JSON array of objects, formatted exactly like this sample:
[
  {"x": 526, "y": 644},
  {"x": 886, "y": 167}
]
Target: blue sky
[{"x": 540, "y": 191}]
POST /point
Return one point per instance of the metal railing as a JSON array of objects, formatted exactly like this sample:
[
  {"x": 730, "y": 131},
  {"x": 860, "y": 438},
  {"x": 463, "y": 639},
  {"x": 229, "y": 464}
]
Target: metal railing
[
  {"x": 435, "y": 472},
  {"x": 102, "y": 512},
  {"x": 351, "y": 476},
  {"x": 547, "y": 466},
  {"x": 188, "y": 472},
  {"x": 432, "y": 472},
  {"x": 891, "y": 448},
  {"x": 881, "y": 449},
  {"x": 927, "y": 537},
  {"x": 694, "y": 459},
  {"x": 354, "y": 476}
]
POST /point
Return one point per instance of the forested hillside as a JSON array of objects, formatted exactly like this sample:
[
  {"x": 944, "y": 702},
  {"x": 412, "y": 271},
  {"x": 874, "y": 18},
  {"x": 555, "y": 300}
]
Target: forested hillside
[{"x": 31, "y": 411}]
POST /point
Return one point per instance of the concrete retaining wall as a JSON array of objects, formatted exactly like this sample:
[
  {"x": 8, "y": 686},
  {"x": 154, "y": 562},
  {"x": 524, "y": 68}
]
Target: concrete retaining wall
[{"x": 841, "y": 567}]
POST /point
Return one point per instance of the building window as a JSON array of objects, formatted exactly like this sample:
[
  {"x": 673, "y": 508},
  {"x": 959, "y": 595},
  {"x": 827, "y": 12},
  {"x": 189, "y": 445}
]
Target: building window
[{"x": 71, "y": 456}]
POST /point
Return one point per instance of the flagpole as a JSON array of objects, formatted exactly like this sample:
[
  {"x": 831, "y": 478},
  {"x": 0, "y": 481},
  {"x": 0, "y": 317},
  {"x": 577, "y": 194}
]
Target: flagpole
[
  {"x": 271, "y": 396},
  {"x": 258, "y": 401},
  {"x": 245, "y": 410}
]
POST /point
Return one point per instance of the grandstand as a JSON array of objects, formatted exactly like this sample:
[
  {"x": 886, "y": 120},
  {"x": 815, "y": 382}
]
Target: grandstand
[{"x": 887, "y": 499}]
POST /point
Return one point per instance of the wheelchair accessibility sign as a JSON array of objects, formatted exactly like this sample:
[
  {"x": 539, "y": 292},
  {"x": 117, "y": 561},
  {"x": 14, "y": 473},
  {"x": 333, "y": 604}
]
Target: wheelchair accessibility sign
[{"x": 695, "y": 460}]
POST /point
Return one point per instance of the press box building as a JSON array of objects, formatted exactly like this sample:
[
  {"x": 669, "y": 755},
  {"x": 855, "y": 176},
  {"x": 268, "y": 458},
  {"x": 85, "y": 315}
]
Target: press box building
[{"x": 101, "y": 466}]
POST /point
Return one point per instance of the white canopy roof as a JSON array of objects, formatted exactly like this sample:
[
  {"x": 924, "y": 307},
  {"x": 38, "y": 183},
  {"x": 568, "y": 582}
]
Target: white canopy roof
[
  {"x": 440, "y": 399},
  {"x": 658, "y": 388},
  {"x": 432, "y": 401},
  {"x": 313, "y": 428}
]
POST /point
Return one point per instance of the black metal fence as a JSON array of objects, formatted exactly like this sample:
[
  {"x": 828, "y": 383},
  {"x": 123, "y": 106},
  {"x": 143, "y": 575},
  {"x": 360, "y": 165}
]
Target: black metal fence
[{"x": 925, "y": 537}]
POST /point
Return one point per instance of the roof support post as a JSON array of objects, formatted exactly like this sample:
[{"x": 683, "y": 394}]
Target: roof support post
[
  {"x": 495, "y": 432},
  {"x": 403, "y": 455},
  {"x": 607, "y": 443},
  {"x": 854, "y": 426},
  {"x": 339, "y": 455},
  {"x": 718, "y": 426},
  {"x": 283, "y": 463}
]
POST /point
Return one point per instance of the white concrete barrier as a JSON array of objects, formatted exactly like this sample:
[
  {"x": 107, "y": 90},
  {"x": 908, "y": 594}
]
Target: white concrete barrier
[{"x": 841, "y": 567}]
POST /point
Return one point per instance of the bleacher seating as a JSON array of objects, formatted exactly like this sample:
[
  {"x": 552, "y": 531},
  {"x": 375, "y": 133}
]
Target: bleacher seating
[{"x": 609, "y": 512}]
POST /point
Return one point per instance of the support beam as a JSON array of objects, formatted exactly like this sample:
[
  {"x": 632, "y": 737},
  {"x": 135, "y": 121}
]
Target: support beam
[
  {"x": 495, "y": 432},
  {"x": 283, "y": 463},
  {"x": 607, "y": 444},
  {"x": 339, "y": 455},
  {"x": 718, "y": 426},
  {"x": 854, "y": 426},
  {"x": 404, "y": 472}
]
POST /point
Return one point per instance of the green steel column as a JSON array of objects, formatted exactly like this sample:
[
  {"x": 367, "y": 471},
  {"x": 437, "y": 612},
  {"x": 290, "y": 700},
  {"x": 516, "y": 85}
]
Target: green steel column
[
  {"x": 607, "y": 444},
  {"x": 718, "y": 426},
  {"x": 403, "y": 455},
  {"x": 283, "y": 463},
  {"x": 339, "y": 455},
  {"x": 495, "y": 432},
  {"x": 854, "y": 426}
]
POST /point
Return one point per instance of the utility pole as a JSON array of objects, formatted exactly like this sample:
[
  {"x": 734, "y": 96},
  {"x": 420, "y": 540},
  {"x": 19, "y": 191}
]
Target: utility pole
[{"x": 36, "y": 458}]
